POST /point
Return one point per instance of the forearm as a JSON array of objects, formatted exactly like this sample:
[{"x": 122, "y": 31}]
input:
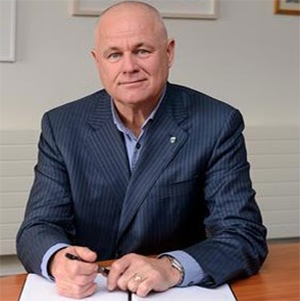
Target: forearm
[
  {"x": 229, "y": 256},
  {"x": 33, "y": 242}
]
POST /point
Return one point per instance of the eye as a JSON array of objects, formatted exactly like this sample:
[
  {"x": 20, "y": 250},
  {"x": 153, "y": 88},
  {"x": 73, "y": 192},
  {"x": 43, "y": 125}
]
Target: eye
[
  {"x": 114, "y": 56},
  {"x": 143, "y": 52}
]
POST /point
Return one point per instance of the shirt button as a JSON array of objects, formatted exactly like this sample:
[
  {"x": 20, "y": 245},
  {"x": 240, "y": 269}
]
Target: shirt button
[{"x": 138, "y": 145}]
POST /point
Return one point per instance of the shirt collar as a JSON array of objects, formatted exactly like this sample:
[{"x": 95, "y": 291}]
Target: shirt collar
[{"x": 120, "y": 125}]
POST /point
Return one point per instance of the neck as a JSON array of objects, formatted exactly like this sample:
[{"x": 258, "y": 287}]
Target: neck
[{"x": 134, "y": 117}]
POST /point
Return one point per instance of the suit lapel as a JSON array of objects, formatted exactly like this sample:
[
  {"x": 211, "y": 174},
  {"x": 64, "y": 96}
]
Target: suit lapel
[
  {"x": 105, "y": 144},
  {"x": 161, "y": 146}
]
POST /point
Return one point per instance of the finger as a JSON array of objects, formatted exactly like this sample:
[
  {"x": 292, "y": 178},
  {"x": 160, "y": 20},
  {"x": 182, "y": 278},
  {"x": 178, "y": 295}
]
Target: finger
[
  {"x": 116, "y": 272},
  {"x": 128, "y": 281},
  {"x": 145, "y": 287},
  {"x": 80, "y": 266},
  {"x": 83, "y": 280},
  {"x": 134, "y": 282},
  {"x": 76, "y": 291},
  {"x": 124, "y": 269},
  {"x": 152, "y": 280},
  {"x": 85, "y": 253},
  {"x": 71, "y": 277},
  {"x": 84, "y": 269}
]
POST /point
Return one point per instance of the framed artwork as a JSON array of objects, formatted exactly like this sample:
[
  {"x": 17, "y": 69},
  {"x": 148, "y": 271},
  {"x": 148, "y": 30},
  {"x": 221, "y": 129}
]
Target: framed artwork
[
  {"x": 7, "y": 30},
  {"x": 177, "y": 9},
  {"x": 287, "y": 7}
]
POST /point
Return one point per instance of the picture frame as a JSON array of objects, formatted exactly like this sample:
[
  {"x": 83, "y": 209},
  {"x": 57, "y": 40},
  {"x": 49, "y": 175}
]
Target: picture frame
[
  {"x": 7, "y": 30},
  {"x": 191, "y": 9},
  {"x": 287, "y": 7}
]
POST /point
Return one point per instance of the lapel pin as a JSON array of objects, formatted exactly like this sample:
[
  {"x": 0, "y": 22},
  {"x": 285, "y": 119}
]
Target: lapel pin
[{"x": 173, "y": 139}]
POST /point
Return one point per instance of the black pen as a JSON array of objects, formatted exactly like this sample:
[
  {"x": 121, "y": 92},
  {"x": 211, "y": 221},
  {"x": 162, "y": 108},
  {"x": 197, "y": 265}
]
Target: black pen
[
  {"x": 129, "y": 296},
  {"x": 102, "y": 270}
]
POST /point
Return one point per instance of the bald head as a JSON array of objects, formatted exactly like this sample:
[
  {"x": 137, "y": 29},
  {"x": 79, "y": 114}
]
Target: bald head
[
  {"x": 134, "y": 4},
  {"x": 141, "y": 14}
]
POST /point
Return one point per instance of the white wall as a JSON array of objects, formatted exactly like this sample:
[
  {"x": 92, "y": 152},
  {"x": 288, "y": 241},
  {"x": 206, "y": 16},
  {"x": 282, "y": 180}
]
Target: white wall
[{"x": 248, "y": 57}]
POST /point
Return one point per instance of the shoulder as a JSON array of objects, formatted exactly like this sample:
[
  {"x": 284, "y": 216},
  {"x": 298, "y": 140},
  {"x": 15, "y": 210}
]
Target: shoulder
[
  {"x": 81, "y": 105},
  {"x": 78, "y": 110},
  {"x": 193, "y": 98},
  {"x": 200, "y": 107}
]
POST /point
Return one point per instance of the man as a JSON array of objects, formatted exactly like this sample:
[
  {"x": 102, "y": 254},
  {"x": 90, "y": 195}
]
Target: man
[{"x": 143, "y": 167}]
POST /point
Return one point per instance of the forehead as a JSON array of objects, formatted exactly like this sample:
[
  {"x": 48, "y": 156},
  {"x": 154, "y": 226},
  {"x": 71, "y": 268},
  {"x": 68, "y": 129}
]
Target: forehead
[
  {"x": 128, "y": 24},
  {"x": 126, "y": 39}
]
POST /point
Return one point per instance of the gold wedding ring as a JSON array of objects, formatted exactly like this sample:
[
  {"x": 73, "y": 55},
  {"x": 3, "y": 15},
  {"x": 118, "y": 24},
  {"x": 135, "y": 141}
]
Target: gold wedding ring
[{"x": 137, "y": 277}]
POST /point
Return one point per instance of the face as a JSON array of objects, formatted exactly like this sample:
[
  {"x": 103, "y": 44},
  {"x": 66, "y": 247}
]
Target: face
[{"x": 133, "y": 56}]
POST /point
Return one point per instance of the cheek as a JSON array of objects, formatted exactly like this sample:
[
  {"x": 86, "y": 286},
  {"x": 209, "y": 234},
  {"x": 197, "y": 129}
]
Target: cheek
[
  {"x": 160, "y": 70},
  {"x": 156, "y": 67},
  {"x": 107, "y": 73}
]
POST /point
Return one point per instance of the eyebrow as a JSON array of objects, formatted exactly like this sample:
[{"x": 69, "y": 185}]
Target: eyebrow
[{"x": 115, "y": 48}]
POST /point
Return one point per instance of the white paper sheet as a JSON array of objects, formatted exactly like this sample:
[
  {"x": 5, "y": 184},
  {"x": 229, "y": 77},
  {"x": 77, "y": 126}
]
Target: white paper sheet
[
  {"x": 191, "y": 293},
  {"x": 37, "y": 288}
]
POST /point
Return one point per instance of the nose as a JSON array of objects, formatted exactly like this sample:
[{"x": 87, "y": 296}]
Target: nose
[{"x": 130, "y": 64}]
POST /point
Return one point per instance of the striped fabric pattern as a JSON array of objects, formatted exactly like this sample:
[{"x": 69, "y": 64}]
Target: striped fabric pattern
[{"x": 190, "y": 189}]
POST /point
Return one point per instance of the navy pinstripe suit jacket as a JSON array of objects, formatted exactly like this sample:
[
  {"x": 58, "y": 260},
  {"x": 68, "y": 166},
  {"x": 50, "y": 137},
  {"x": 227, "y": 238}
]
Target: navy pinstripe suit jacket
[{"x": 193, "y": 194}]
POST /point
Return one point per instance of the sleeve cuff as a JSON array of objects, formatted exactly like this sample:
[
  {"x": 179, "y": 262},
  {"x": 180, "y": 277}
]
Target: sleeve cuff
[
  {"x": 46, "y": 258},
  {"x": 193, "y": 273}
]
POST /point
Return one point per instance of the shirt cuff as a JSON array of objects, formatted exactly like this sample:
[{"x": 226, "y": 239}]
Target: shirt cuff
[
  {"x": 193, "y": 272},
  {"x": 47, "y": 256}
]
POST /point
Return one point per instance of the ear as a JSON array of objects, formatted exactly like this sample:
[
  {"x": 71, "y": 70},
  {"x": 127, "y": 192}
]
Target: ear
[
  {"x": 95, "y": 55},
  {"x": 171, "y": 51}
]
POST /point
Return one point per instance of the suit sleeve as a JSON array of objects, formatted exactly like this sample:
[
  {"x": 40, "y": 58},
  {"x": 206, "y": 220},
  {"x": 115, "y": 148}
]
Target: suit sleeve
[
  {"x": 236, "y": 243},
  {"x": 48, "y": 217}
]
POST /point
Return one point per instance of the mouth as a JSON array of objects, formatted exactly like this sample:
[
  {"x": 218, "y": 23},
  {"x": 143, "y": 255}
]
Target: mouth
[{"x": 132, "y": 82}]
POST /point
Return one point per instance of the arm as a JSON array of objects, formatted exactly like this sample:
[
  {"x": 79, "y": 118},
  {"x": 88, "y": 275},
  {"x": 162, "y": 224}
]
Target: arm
[
  {"x": 236, "y": 243},
  {"x": 48, "y": 218},
  {"x": 48, "y": 230}
]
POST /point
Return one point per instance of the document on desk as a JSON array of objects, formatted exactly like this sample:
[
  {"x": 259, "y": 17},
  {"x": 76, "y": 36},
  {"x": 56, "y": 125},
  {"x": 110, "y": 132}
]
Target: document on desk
[{"x": 37, "y": 288}]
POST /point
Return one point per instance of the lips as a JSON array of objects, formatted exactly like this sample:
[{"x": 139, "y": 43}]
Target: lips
[{"x": 132, "y": 82}]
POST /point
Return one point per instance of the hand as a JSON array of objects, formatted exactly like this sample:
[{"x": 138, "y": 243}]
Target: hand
[
  {"x": 74, "y": 279},
  {"x": 140, "y": 274}
]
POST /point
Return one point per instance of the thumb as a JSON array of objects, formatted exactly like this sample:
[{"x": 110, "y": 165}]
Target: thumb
[{"x": 85, "y": 253}]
